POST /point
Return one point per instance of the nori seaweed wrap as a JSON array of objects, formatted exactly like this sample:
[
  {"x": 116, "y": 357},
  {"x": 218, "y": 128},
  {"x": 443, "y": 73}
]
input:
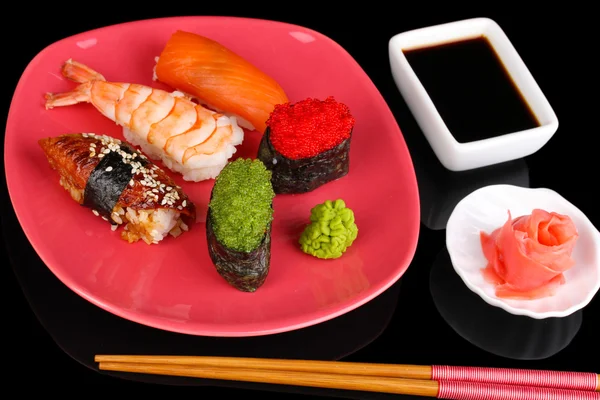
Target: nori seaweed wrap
[
  {"x": 307, "y": 144},
  {"x": 238, "y": 224},
  {"x": 246, "y": 271},
  {"x": 305, "y": 174}
]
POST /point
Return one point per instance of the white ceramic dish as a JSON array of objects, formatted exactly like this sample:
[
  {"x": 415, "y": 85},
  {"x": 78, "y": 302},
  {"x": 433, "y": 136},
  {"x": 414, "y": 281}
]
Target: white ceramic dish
[
  {"x": 486, "y": 209},
  {"x": 457, "y": 156}
]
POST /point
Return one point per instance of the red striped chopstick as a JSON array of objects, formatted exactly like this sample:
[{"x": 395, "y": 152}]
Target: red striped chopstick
[{"x": 444, "y": 382}]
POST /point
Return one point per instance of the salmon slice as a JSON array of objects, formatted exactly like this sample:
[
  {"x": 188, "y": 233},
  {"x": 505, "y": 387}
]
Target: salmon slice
[{"x": 219, "y": 78}]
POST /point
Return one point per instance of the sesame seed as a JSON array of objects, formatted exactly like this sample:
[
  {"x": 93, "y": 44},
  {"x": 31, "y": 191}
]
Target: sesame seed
[
  {"x": 95, "y": 213},
  {"x": 113, "y": 228},
  {"x": 84, "y": 134},
  {"x": 163, "y": 202},
  {"x": 183, "y": 203},
  {"x": 169, "y": 188},
  {"x": 100, "y": 155},
  {"x": 104, "y": 218},
  {"x": 179, "y": 208},
  {"x": 131, "y": 183},
  {"x": 108, "y": 169},
  {"x": 92, "y": 144}
]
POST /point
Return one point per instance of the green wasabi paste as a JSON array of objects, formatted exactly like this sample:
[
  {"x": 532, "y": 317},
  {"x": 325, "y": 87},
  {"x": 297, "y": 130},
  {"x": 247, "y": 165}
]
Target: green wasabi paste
[
  {"x": 331, "y": 231},
  {"x": 241, "y": 204}
]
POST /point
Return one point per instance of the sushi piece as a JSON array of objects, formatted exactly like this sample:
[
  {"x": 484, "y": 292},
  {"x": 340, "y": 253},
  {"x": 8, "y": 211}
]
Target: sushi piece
[
  {"x": 187, "y": 137},
  {"x": 120, "y": 185},
  {"x": 238, "y": 224},
  {"x": 219, "y": 78},
  {"x": 307, "y": 144}
]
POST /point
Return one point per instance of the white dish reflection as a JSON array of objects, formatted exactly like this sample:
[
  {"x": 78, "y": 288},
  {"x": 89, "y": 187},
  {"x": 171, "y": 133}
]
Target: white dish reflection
[{"x": 486, "y": 209}]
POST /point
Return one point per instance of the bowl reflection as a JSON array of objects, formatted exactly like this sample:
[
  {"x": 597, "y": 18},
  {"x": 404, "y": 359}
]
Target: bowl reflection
[
  {"x": 83, "y": 330},
  {"x": 440, "y": 190},
  {"x": 493, "y": 329}
]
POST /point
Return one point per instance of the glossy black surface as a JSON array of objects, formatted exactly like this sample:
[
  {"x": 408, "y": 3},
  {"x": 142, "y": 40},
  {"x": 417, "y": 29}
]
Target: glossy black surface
[{"x": 429, "y": 317}]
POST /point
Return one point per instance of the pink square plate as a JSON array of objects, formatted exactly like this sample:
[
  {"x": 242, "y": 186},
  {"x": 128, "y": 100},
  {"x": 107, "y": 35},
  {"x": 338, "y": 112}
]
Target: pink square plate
[{"x": 173, "y": 285}]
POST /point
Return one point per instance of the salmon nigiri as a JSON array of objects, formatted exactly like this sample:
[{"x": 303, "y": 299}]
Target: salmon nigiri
[{"x": 219, "y": 78}]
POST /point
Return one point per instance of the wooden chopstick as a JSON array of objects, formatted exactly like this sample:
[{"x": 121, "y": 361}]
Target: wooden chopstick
[
  {"x": 415, "y": 387},
  {"x": 548, "y": 379},
  {"x": 331, "y": 367}
]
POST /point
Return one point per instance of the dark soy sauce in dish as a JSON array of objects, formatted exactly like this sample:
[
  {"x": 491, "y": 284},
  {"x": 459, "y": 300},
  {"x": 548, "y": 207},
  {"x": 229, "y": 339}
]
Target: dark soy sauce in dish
[{"x": 471, "y": 89}]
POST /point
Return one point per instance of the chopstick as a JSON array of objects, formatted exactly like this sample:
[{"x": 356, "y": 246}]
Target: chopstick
[{"x": 429, "y": 381}]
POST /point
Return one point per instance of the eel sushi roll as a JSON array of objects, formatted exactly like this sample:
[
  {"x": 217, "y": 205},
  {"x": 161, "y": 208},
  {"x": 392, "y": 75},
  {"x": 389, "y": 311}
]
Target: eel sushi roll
[
  {"x": 120, "y": 185},
  {"x": 307, "y": 144},
  {"x": 238, "y": 224}
]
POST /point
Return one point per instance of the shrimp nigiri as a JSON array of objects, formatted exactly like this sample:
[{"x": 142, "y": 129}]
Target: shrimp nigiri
[
  {"x": 219, "y": 78},
  {"x": 187, "y": 137}
]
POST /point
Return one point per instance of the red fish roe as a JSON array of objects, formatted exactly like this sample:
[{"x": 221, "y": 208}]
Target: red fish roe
[{"x": 309, "y": 127}]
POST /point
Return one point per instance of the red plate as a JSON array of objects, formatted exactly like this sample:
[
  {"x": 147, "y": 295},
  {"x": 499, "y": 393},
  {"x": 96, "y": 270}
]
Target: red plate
[{"x": 173, "y": 285}]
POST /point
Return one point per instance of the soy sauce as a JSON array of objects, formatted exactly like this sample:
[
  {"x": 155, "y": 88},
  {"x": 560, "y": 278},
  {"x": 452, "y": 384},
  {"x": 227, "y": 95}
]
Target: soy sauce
[{"x": 471, "y": 89}]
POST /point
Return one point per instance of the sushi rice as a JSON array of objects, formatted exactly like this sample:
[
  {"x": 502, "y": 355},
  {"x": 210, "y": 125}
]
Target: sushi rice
[{"x": 151, "y": 225}]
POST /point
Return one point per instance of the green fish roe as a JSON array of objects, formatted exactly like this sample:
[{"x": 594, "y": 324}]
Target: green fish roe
[
  {"x": 241, "y": 204},
  {"x": 331, "y": 231}
]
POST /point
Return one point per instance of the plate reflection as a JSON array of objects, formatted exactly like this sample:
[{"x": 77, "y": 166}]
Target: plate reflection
[
  {"x": 83, "y": 330},
  {"x": 440, "y": 190},
  {"x": 493, "y": 329}
]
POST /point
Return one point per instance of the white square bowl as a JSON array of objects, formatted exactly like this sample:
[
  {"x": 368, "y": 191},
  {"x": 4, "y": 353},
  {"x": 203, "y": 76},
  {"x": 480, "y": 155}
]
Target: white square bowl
[{"x": 457, "y": 156}]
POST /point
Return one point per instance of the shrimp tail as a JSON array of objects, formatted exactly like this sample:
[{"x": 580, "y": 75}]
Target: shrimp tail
[
  {"x": 81, "y": 94},
  {"x": 80, "y": 73}
]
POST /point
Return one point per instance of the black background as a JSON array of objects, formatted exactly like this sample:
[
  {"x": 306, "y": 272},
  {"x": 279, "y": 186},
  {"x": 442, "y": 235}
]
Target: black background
[{"x": 553, "y": 43}]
